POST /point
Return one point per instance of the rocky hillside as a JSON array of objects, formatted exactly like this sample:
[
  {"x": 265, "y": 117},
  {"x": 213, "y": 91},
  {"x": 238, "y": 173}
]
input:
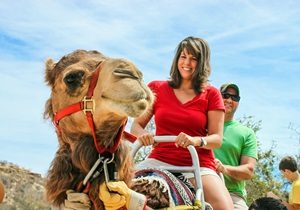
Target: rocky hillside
[{"x": 24, "y": 189}]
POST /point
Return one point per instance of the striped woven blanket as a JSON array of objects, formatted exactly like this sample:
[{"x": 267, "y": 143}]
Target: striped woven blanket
[{"x": 162, "y": 188}]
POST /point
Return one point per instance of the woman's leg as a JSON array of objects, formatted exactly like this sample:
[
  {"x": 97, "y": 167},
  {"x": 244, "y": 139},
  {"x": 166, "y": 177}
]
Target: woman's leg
[{"x": 216, "y": 193}]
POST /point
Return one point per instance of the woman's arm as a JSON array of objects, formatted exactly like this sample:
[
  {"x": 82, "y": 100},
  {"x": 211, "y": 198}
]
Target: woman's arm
[
  {"x": 215, "y": 129},
  {"x": 138, "y": 128},
  {"x": 214, "y": 136}
]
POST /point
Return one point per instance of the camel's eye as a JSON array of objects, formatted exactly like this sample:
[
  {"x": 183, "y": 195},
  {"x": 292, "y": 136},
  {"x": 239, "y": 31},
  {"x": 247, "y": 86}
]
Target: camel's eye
[
  {"x": 74, "y": 79},
  {"x": 123, "y": 73}
]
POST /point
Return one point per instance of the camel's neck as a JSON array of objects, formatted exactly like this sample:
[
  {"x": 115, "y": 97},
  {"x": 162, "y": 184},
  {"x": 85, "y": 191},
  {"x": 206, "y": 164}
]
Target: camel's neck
[{"x": 106, "y": 134}]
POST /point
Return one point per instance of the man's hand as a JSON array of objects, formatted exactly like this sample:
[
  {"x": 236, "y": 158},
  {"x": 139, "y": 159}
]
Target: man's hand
[
  {"x": 116, "y": 194},
  {"x": 77, "y": 201},
  {"x": 219, "y": 166}
]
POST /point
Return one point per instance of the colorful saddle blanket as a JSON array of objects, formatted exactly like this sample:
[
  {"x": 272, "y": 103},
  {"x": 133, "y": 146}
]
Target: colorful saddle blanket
[{"x": 178, "y": 188}]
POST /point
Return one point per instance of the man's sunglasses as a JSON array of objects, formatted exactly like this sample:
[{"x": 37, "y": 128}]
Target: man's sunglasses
[{"x": 233, "y": 97}]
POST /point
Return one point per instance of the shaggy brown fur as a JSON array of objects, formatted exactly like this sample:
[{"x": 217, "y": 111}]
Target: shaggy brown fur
[
  {"x": 119, "y": 93},
  {"x": 156, "y": 197}
]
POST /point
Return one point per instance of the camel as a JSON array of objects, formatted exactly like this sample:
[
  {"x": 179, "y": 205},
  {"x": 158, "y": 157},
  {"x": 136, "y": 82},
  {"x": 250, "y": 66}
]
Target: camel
[{"x": 91, "y": 98}]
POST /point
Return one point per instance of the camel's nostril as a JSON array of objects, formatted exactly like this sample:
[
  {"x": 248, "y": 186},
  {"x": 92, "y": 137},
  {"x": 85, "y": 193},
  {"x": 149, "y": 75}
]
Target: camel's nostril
[{"x": 142, "y": 106}]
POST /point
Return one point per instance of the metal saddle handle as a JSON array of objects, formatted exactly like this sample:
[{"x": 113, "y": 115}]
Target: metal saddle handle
[{"x": 194, "y": 168}]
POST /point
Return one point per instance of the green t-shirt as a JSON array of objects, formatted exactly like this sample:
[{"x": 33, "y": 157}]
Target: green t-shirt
[{"x": 238, "y": 141}]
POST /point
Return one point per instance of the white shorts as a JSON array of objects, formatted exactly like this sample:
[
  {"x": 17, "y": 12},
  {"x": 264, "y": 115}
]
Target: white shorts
[
  {"x": 238, "y": 202},
  {"x": 153, "y": 163}
]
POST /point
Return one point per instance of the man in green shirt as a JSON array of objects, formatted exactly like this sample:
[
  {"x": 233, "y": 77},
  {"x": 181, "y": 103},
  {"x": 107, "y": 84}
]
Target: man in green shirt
[{"x": 237, "y": 156}]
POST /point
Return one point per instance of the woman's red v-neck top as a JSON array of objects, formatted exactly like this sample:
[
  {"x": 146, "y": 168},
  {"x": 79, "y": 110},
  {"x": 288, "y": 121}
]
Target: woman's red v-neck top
[{"x": 172, "y": 117}]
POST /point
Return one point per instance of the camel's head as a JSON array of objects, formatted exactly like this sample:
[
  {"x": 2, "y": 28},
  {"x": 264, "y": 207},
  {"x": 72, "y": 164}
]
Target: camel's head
[
  {"x": 119, "y": 91},
  {"x": 115, "y": 90}
]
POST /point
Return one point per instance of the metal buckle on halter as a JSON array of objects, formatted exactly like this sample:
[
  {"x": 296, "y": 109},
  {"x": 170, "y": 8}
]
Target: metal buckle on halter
[{"x": 88, "y": 105}]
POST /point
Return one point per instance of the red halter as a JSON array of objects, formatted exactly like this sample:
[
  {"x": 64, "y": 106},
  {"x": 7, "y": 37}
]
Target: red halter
[{"x": 87, "y": 105}]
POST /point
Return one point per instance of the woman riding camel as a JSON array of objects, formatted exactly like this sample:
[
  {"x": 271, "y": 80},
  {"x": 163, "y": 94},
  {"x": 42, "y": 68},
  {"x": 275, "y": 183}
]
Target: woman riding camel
[{"x": 190, "y": 108}]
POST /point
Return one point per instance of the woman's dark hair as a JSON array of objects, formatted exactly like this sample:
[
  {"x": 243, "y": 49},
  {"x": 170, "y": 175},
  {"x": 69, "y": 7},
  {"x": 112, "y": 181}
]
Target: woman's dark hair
[
  {"x": 199, "y": 48},
  {"x": 267, "y": 203}
]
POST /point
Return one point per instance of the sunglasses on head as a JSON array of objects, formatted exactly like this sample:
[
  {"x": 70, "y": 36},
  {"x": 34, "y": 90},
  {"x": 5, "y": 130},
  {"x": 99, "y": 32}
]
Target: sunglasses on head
[{"x": 233, "y": 97}]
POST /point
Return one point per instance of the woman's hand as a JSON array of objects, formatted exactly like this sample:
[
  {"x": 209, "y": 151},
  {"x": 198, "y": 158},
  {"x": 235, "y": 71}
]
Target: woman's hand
[
  {"x": 146, "y": 139},
  {"x": 184, "y": 140}
]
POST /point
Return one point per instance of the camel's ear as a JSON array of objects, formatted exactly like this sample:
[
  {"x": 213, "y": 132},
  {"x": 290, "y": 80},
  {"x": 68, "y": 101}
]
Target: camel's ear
[
  {"x": 50, "y": 76},
  {"x": 48, "y": 110}
]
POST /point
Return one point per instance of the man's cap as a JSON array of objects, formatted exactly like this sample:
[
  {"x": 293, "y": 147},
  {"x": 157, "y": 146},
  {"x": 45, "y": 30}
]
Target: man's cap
[{"x": 224, "y": 88}]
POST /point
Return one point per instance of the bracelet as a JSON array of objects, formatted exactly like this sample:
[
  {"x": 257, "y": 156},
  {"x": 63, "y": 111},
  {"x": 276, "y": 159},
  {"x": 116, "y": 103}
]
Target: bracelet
[{"x": 203, "y": 142}]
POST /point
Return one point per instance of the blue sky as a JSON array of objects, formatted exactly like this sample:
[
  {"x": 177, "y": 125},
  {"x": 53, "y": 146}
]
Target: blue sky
[{"x": 254, "y": 43}]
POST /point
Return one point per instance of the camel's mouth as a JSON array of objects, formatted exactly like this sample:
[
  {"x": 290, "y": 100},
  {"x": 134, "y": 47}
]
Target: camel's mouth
[
  {"x": 131, "y": 107},
  {"x": 126, "y": 100}
]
